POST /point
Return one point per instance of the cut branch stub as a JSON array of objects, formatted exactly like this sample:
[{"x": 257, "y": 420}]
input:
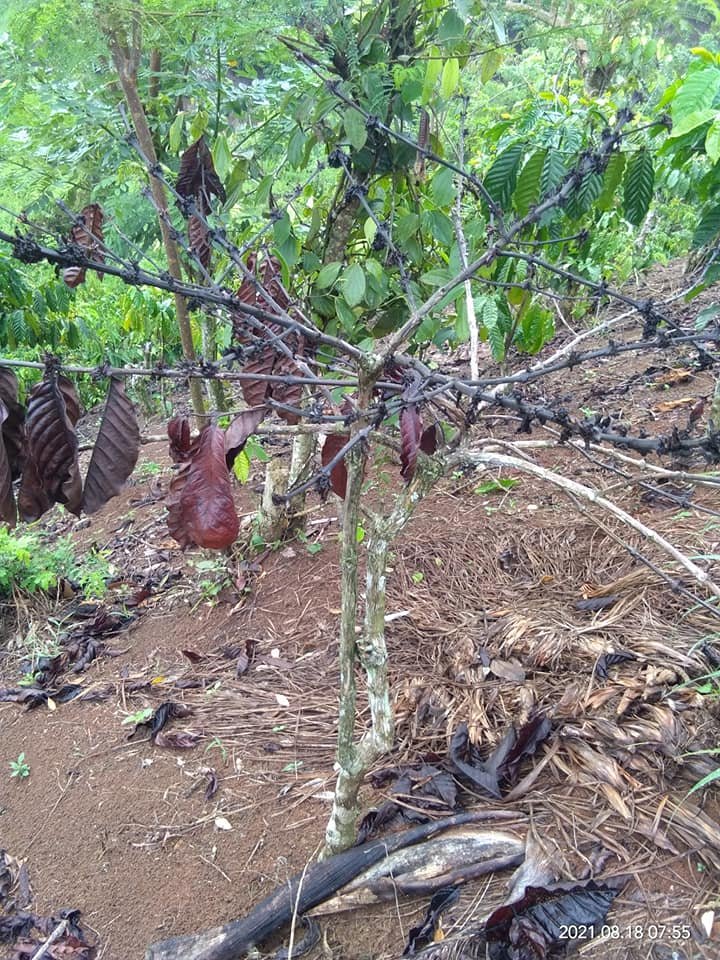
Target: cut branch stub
[
  {"x": 411, "y": 430},
  {"x": 242, "y": 427},
  {"x": 115, "y": 452},
  {"x": 88, "y": 234},
  {"x": 51, "y": 473},
  {"x": 338, "y": 475},
  {"x": 200, "y": 505}
]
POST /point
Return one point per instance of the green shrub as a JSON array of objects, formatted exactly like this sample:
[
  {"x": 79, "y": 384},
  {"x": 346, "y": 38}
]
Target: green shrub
[{"x": 31, "y": 566}]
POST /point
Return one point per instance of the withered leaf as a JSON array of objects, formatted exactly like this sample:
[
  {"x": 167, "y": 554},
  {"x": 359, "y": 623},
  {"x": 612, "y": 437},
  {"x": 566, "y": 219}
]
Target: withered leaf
[
  {"x": 197, "y": 179},
  {"x": 178, "y": 739},
  {"x": 411, "y": 429},
  {"x": 51, "y": 472},
  {"x": 264, "y": 358},
  {"x": 87, "y": 233},
  {"x": 596, "y": 603},
  {"x": 608, "y": 660},
  {"x": 199, "y": 238},
  {"x": 7, "y": 498},
  {"x": 168, "y": 710},
  {"x": 334, "y": 443},
  {"x": 179, "y": 433},
  {"x": 425, "y": 933},
  {"x": 242, "y": 427},
  {"x": 424, "y": 787},
  {"x": 200, "y": 505},
  {"x": 12, "y": 432},
  {"x": 115, "y": 452},
  {"x": 288, "y": 393},
  {"x": 502, "y": 765},
  {"x": 212, "y": 783},
  {"x": 535, "y": 927},
  {"x": 431, "y": 439}
]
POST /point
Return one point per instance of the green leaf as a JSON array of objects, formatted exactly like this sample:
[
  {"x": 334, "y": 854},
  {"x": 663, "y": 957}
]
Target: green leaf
[
  {"x": 585, "y": 195},
  {"x": 175, "y": 133},
  {"x": 527, "y": 191},
  {"x": 450, "y": 78},
  {"x": 490, "y": 320},
  {"x": 452, "y": 27},
  {"x": 437, "y": 277},
  {"x": 490, "y": 64},
  {"x": 255, "y": 450},
  {"x": 501, "y": 177},
  {"x": 407, "y": 225},
  {"x": 344, "y": 315},
  {"x": 443, "y": 187},
  {"x": 222, "y": 158},
  {"x": 712, "y": 142},
  {"x": 328, "y": 275},
  {"x": 707, "y": 315},
  {"x": 708, "y": 228},
  {"x": 536, "y": 328},
  {"x": 691, "y": 121},
  {"x": 613, "y": 175},
  {"x": 354, "y": 285},
  {"x": 296, "y": 148},
  {"x": 282, "y": 229},
  {"x": 553, "y": 172},
  {"x": 241, "y": 467},
  {"x": 355, "y": 128},
  {"x": 433, "y": 69},
  {"x": 696, "y": 93},
  {"x": 198, "y": 125},
  {"x": 638, "y": 186}
]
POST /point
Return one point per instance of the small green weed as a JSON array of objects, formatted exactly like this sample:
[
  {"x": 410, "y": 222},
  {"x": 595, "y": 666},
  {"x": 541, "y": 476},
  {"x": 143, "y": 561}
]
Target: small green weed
[
  {"x": 147, "y": 469},
  {"x": 140, "y": 716},
  {"x": 20, "y": 768},
  {"x": 500, "y": 485},
  {"x": 29, "y": 565}
]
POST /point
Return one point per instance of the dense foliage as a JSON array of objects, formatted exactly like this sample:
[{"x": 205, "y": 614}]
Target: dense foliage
[{"x": 514, "y": 95}]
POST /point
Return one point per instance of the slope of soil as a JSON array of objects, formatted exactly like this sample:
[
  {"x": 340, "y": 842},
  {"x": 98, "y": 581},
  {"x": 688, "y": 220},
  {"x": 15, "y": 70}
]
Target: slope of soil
[{"x": 485, "y": 629}]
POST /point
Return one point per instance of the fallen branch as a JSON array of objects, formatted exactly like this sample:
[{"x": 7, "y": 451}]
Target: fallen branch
[{"x": 305, "y": 890}]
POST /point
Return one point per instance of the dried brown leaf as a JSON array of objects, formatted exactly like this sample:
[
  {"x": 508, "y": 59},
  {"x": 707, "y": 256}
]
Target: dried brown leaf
[
  {"x": 178, "y": 739},
  {"x": 12, "y": 431},
  {"x": 411, "y": 429},
  {"x": 431, "y": 439},
  {"x": 87, "y": 233},
  {"x": 179, "y": 433},
  {"x": 242, "y": 427},
  {"x": 199, "y": 237},
  {"x": 200, "y": 504},
  {"x": 115, "y": 452},
  {"x": 7, "y": 498},
  {"x": 51, "y": 472},
  {"x": 334, "y": 443},
  {"x": 197, "y": 179}
]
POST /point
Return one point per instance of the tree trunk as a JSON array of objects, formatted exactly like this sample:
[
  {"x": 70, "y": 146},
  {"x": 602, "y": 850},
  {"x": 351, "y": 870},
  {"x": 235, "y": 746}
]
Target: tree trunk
[{"x": 126, "y": 65}]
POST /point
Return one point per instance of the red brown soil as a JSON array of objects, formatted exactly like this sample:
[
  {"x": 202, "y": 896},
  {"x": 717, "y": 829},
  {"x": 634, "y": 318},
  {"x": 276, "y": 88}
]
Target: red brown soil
[{"x": 120, "y": 829}]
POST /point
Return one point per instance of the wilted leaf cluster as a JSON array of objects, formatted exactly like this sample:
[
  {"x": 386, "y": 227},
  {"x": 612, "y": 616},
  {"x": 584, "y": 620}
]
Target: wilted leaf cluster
[{"x": 39, "y": 446}]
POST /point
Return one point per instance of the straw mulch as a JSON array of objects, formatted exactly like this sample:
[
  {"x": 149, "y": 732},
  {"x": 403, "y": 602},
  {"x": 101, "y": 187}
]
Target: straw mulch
[{"x": 487, "y": 632}]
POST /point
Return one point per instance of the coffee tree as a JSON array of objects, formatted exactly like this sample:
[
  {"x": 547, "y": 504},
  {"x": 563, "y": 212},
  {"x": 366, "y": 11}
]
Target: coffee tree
[{"x": 410, "y": 229}]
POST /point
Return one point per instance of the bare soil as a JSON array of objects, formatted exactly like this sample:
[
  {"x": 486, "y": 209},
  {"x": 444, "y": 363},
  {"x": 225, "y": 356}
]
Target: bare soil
[{"x": 121, "y": 829}]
